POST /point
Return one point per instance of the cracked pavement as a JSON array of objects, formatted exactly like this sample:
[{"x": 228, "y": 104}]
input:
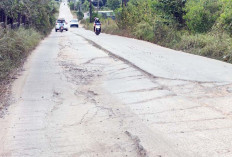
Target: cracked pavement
[{"x": 75, "y": 98}]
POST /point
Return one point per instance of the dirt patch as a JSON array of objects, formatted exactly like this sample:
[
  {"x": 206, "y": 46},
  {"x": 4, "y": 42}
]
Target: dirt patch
[
  {"x": 5, "y": 91},
  {"x": 79, "y": 75}
]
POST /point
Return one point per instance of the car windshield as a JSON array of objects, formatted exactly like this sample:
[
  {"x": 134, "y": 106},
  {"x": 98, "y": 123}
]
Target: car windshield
[
  {"x": 74, "y": 21},
  {"x": 60, "y": 21}
]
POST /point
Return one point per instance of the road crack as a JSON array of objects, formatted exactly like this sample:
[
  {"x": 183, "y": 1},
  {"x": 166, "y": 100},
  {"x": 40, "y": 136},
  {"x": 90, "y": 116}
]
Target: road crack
[{"x": 142, "y": 152}]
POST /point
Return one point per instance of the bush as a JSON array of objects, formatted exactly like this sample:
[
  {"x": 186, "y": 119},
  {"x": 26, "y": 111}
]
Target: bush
[
  {"x": 170, "y": 9},
  {"x": 15, "y": 46},
  {"x": 80, "y": 15},
  {"x": 136, "y": 12},
  {"x": 226, "y": 17},
  {"x": 165, "y": 34},
  {"x": 201, "y": 15},
  {"x": 85, "y": 6},
  {"x": 209, "y": 45},
  {"x": 109, "y": 26},
  {"x": 87, "y": 24},
  {"x": 144, "y": 31},
  {"x": 113, "y": 4},
  {"x": 71, "y": 5}
]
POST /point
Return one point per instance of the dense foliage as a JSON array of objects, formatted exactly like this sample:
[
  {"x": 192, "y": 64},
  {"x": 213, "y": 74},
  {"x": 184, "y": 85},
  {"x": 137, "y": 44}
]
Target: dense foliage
[
  {"x": 72, "y": 5},
  {"x": 80, "y": 15},
  {"x": 225, "y": 19},
  {"x": 202, "y": 15},
  {"x": 38, "y": 17},
  {"x": 198, "y": 16},
  {"x": 202, "y": 27},
  {"x": 38, "y": 14},
  {"x": 113, "y": 4}
]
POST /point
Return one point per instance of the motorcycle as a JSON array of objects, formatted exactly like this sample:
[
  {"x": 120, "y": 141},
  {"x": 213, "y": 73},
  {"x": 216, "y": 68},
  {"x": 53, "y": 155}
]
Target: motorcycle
[
  {"x": 61, "y": 28},
  {"x": 98, "y": 29}
]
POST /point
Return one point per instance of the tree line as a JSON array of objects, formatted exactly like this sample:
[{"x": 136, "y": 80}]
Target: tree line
[
  {"x": 198, "y": 16},
  {"x": 38, "y": 14},
  {"x": 202, "y": 27}
]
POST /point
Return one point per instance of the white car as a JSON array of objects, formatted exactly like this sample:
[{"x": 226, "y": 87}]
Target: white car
[
  {"x": 58, "y": 22},
  {"x": 74, "y": 23}
]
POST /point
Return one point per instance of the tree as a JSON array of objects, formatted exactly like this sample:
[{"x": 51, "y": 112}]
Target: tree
[
  {"x": 170, "y": 9},
  {"x": 135, "y": 12},
  {"x": 80, "y": 15},
  {"x": 114, "y": 4},
  {"x": 201, "y": 15},
  {"x": 85, "y": 5},
  {"x": 38, "y": 13},
  {"x": 124, "y": 2},
  {"x": 225, "y": 19},
  {"x": 72, "y": 5},
  {"x": 90, "y": 11}
]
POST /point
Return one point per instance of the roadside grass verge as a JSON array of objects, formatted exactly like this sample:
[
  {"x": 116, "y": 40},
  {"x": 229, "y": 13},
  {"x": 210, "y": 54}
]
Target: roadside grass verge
[
  {"x": 15, "y": 46},
  {"x": 212, "y": 44},
  {"x": 108, "y": 26}
]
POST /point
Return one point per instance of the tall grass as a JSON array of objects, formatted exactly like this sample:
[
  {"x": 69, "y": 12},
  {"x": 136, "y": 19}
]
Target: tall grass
[
  {"x": 15, "y": 46},
  {"x": 212, "y": 45}
]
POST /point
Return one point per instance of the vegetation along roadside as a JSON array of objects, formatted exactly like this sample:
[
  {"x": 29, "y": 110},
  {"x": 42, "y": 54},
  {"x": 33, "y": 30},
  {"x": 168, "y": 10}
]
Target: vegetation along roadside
[
  {"x": 23, "y": 24},
  {"x": 201, "y": 27}
]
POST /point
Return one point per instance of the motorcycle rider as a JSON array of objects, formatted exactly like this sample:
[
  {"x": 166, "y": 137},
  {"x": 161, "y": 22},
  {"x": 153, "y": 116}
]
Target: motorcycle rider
[
  {"x": 61, "y": 24},
  {"x": 96, "y": 21}
]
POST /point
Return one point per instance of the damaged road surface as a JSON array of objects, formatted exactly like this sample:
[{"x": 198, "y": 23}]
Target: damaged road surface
[{"x": 80, "y": 97}]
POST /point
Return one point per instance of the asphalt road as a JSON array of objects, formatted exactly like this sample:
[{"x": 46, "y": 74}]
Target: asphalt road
[{"x": 109, "y": 96}]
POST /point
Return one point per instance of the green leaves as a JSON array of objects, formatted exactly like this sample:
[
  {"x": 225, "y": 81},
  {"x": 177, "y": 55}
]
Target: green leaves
[
  {"x": 39, "y": 13},
  {"x": 225, "y": 19},
  {"x": 71, "y": 5},
  {"x": 170, "y": 9},
  {"x": 80, "y": 15},
  {"x": 114, "y": 4},
  {"x": 134, "y": 13},
  {"x": 201, "y": 15}
]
